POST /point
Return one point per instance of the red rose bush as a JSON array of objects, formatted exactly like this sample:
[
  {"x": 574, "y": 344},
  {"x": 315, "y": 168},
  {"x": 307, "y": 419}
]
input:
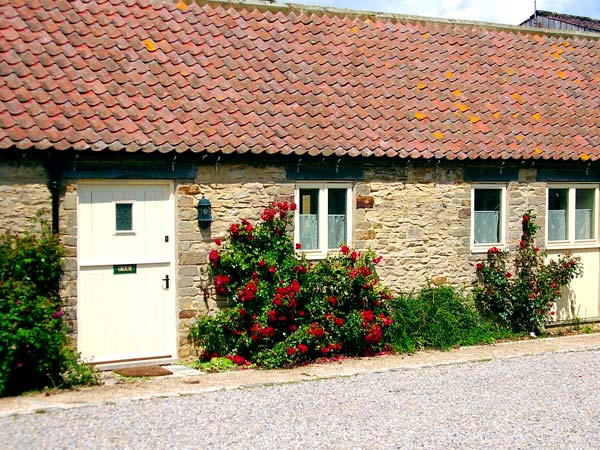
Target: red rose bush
[{"x": 283, "y": 310}]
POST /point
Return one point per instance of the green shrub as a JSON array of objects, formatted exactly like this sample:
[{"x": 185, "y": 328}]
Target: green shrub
[
  {"x": 523, "y": 300},
  {"x": 33, "y": 338},
  {"x": 216, "y": 364},
  {"x": 283, "y": 310},
  {"x": 440, "y": 317}
]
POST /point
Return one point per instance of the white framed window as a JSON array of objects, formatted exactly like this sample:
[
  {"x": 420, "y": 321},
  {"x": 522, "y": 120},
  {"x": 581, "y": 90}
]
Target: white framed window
[
  {"x": 488, "y": 216},
  {"x": 323, "y": 220},
  {"x": 124, "y": 217},
  {"x": 571, "y": 214}
]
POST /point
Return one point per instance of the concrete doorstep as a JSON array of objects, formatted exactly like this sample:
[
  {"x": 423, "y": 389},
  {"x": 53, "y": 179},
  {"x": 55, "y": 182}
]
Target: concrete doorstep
[{"x": 187, "y": 381}]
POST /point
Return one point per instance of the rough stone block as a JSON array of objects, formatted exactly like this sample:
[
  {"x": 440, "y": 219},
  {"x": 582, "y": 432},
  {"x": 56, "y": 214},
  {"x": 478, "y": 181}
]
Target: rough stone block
[
  {"x": 365, "y": 202},
  {"x": 188, "y": 313}
]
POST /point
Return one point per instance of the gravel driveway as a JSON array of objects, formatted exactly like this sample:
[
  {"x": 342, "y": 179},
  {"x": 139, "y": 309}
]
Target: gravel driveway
[{"x": 543, "y": 401}]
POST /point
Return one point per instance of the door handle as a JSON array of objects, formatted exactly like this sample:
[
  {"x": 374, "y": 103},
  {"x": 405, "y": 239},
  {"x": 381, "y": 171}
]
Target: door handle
[{"x": 166, "y": 280}]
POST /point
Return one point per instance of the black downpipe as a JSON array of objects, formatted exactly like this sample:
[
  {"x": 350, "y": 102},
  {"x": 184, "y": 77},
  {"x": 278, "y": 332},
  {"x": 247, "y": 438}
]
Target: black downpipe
[{"x": 54, "y": 188}]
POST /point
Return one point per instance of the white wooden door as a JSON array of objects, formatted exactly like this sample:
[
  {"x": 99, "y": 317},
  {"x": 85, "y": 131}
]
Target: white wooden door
[
  {"x": 126, "y": 280},
  {"x": 581, "y": 300}
]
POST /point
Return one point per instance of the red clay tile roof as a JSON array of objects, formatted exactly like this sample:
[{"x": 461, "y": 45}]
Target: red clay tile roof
[{"x": 138, "y": 76}]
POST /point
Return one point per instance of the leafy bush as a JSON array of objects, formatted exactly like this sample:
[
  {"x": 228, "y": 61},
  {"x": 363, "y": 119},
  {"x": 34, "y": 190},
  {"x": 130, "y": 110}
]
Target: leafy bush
[
  {"x": 283, "y": 310},
  {"x": 216, "y": 364},
  {"x": 441, "y": 318},
  {"x": 33, "y": 338},
  {"x": 524, "y": 300}
]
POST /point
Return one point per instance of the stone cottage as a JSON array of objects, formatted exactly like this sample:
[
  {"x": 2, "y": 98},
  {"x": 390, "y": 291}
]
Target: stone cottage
[{"x": 422, "y": 139}]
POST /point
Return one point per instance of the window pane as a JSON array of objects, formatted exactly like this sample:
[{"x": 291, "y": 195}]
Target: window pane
[
  {"x": 487, "y": 216},
  {"x": 558, "y": 205},
  {"x": 124, "y": 216},
  {"x": 336, "y": 222},
  {"x": 584, "y": 213},
  {"x": 309, "y": 219}
]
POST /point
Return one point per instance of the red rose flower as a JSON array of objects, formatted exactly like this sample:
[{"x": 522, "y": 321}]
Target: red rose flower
[
  {"x": 293, "y": 207},
  {"x": 220, "y": 282},
  {"x": 377, "y": 260},
  {"x": 367, "y": 316},
  {"x": 218, "y": 241},
  {"x": 234, "y": 230},
  {"x": 316, "y": 331},
  {"x": 353, "y": 256},
  {"x": 332, "y": 301},
  {"x": 291, "y": 351},
  {"x": 508, "y": 275},
  {"x": 272, "y": 269},
  {"x": 302, "y": 348},
  {"x": 345, "y": 249},
  {"x": 339, "y": 321},
  {"x": 374, "y": 335},
  {"x": 298, "y": 246},
  {"x": 214, "y": 257},
  {"x": 238, "y": 360},
  {"x": 479, "y": 266}
]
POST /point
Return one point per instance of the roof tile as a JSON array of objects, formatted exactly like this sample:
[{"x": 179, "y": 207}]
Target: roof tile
[{"x": 161, "y": 77}]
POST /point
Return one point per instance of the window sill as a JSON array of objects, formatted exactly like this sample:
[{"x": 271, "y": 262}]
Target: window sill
[
  {"x": 315, "y": 255},
  {"x": 572, "y": 245},
  {"x": 484, "y": 249}
]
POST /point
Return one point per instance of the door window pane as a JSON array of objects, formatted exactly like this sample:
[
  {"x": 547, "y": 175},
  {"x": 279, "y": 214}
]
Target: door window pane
[
  {"x": 584, "y": 213},
  {"x": 487, "y": 212},
  {"x": 124, "y": 216},
  {"x": 558, "y": 223},
  {"x": 336, "y": 205},
  {"x": 309, "y": 218}
]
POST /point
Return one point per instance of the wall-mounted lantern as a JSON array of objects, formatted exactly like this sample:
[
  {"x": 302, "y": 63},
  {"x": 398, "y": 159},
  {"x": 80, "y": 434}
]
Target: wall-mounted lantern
[{"x": 204, "y": 215}]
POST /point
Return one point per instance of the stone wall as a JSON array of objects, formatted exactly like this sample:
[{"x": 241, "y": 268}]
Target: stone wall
[
  {"x": 417, "y": 218},
  {"x": 419, "y": 223},
  {"x": 67, "y": 230},
  {"x": 236, "y": 191},
  {"x": 23, "y": 194}
]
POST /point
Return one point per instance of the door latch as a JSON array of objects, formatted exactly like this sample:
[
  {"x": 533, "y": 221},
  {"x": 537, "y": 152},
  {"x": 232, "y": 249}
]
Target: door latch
[{"x": 166, "y": 280}]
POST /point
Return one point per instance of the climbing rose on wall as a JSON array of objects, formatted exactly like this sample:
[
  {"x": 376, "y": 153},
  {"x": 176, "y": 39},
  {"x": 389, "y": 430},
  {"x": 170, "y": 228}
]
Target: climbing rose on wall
[
  {"x": 284, "y": 310},
  {"x": 524, "y": 299}
]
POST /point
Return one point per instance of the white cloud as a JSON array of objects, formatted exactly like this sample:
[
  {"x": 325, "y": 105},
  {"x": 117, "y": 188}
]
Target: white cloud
[{"x": 500, "y": 11}]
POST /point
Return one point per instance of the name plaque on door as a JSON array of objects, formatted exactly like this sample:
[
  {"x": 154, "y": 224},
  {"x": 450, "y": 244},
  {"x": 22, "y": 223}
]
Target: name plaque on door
[{"x": 120, "y": 269}]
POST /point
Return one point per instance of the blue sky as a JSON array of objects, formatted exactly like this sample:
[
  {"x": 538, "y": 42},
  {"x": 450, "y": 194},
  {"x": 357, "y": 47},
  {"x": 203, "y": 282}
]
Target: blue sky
[{"x": 510, "y": 12}]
